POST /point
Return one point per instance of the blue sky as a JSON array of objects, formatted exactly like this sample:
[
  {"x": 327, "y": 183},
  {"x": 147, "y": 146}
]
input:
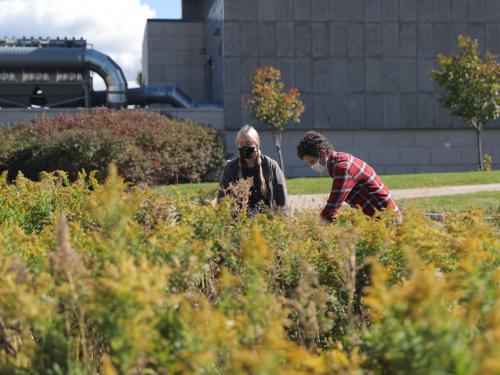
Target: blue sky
[{"x": 166, "y": 8}]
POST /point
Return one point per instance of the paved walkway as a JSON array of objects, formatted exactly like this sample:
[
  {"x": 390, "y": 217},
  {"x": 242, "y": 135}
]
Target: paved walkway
[{"x": 318, "y": 201}]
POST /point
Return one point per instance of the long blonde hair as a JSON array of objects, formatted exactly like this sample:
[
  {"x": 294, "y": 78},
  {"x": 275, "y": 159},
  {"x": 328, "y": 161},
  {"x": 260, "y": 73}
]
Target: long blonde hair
[{"x": 250, "y": 132}]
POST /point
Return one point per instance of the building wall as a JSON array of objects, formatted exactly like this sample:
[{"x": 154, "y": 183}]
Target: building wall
[
  {"x": 360, "y": 64},
  {"x": 172, "y": 55},
  {"x": 390, "y": 151},
  {"x": 362, "y": 67}
]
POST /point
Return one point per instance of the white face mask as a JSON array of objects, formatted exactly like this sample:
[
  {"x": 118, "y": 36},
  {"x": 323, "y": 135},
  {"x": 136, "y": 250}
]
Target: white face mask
[{"x": 318, "y": 167}]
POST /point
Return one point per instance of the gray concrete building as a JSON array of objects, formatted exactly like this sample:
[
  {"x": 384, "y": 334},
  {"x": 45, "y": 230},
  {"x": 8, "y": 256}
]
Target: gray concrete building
[{"x": 362, "y": 67}]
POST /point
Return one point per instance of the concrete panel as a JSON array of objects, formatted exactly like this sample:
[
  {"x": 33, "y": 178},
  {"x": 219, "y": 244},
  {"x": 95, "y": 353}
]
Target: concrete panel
[
  {"x": 232, "y": 39},
  {"x": 339, "y": 138},
  {"x": 302, "y": 39},
  {"x": 185, "y": 58},
  {"x": 321, "y": 109},
  {"x": 493, "y": 37},
  {"x": 373, "y": 40},
  {"x": 155, "y": 42},
  {"x": 477, "y": 10},
  {"x": 425, "y": 110},
  {"x": 460, "y": 138},
  {"x": 390, "y": 75},
  {"x": 356, "y": 11},
  {"x": 442, "y": 116},
  {"x": 338, "y": 39},
  {"x": 231, "y": 10},
  {"x": 399, "y": 169},
  {"x": 408, "y": 40},
  {"x": 399, "y": 138},
  {"x": 442, "y": 10},
  {"x": 355, "y": 39},
  {"x": 392, "y": 114},
  {"x": 374, "y": 111},
  {"x": 357, "y": 111},
  {"x": 415, "y": 156},
  {"x": 162, "y": 58},
  {"x": 373, "y": 75},
  {"x": 368, "y": 138},
  {"x": 339, "y": 76},
  {"x": 492, "y": 10},
  {"x": 321, "y": 10},
  {"x": 429, "y": 138},
  {"x": 390, "y": 10},
  {"x": 267, "y": 10},
  {"x": 284, "y": 10},
  {"x": 373, "y": 11},
  {"x": 321, "y": 76},
  {"x": 408, "y": 75},
  {"x": 443, "y": 155},
  {"x": 303, "y": 74},
  {"x": 478, "y": 31},
  {"x": 356, "y": 77},
  {"x": 339, "y": 10},
  {"x": 459, "y": 10},
  {"x": 383, "y": 156},
  {"x": 408, "y": 10},
  {"x": 303, "y": 10},
  {"x": 232, "y": 107},
  {"x": 469, "y": 155},
  {"x": 425, "y": 40},
  {"x": 321, "y": 39},
  {"x": 267, "y": 39},
  {"x": 409, "y": 111},
  {"x": 249, "y": 11},
  {"x": 425, "y": 10},
  {"x": 247, "y": 70},
  {"x": 359, "y": 152},
  {"x": 425, "y": 83},
  {"x": 339, "y": 112},
  {"x": 284, "y": 39},
  {"x": 390, "y": 40},
  {"x": 443, "y": 38},
  {"x": 286, "y": 66},
  {"x": 172, "y": 73},
  {"x": 249, "y": 38},
  {"x": 232, "y": 75}
]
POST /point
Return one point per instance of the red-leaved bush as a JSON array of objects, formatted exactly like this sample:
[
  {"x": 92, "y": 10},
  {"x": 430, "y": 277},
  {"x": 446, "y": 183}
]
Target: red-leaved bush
[{"x": 145, "y": 146}]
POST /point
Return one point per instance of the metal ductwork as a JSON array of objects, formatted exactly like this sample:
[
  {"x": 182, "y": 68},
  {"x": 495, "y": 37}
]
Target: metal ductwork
[
  {"x": 157, "y": 95},
  {"x": 54, "y": 58}
]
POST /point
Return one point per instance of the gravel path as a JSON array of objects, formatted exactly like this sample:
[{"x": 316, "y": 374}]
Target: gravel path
[{"x": 318, "y": 201}]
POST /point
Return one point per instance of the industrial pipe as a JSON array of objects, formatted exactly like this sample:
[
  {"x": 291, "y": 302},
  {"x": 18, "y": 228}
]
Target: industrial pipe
[{"x": 70, "y": 58}]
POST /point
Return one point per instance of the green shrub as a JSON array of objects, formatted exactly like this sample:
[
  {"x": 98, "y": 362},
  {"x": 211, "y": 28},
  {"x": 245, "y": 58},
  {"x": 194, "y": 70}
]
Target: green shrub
[
  {"x": 129, "y": 281},
  {"x": 145, "y": 146}
]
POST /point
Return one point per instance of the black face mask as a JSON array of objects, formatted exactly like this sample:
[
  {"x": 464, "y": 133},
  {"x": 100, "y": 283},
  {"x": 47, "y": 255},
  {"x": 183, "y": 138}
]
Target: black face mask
[{"x": 247, "y": 152}]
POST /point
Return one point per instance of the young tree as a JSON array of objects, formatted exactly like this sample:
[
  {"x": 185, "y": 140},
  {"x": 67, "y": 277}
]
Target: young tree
[
  {"x": 472, "y": 86},
  {"x": 273, "y": 107}
]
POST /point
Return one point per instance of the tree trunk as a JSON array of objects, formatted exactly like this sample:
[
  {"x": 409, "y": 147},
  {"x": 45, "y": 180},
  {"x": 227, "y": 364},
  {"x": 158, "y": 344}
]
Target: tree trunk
[
  {"x": 480, "y": 148},
  {"x": 277, "y": 135}
]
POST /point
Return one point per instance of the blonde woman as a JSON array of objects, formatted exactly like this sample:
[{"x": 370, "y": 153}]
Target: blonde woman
[{"x": 269, "y": 186}]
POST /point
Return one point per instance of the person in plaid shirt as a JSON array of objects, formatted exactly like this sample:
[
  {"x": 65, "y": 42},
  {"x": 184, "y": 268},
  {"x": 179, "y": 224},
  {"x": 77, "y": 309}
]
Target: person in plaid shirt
[{"x": 354, "y": 181}]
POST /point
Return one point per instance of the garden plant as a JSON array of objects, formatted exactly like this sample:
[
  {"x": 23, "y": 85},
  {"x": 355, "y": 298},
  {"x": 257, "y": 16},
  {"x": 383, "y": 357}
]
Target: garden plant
[
  {"x": 113, "y": 279},
  {"x": 472, "y": 86},
  {"x": 273, "y": 107}
]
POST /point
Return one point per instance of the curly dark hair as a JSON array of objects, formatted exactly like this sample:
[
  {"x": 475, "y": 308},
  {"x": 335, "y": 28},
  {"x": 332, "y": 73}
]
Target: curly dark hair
[{"x": 311, "y": 144}]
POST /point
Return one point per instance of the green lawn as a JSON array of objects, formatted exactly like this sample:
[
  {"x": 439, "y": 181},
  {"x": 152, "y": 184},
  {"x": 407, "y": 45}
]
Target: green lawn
[
  {"x": 322, "y": 185},
  {"x": 489, "y": 201}
]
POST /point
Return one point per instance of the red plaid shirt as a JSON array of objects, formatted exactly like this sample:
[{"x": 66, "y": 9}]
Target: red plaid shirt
[{"x": 356, "y": 183}]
